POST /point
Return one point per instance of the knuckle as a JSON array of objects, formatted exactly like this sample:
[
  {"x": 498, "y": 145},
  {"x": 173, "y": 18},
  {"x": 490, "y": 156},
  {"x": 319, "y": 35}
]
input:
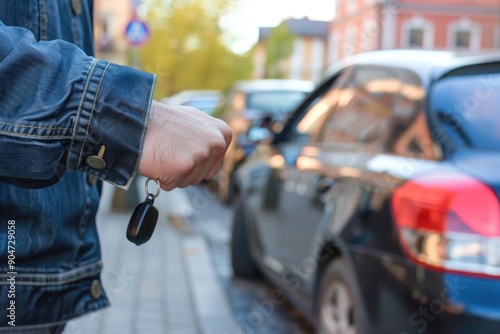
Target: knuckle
[
  {"x": 202, "y": 155},
  {"x": 226, "y": 130},
  {"x": 185, "y": 165},
  {"x": 219, "y": 148}
]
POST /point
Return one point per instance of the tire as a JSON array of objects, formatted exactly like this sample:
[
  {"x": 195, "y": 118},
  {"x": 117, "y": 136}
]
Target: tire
[
  {"x": 241, "y": 259},
  {"x": 339, "y": 308}
]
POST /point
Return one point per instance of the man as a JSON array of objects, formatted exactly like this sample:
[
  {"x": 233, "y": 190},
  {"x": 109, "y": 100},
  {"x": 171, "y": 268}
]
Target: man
[{"x": 67, "y": 119}]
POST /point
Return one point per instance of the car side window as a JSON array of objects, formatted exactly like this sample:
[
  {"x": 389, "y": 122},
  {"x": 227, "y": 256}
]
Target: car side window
[
  {"x": 364, "y": 108},
  {"x": 409, "y": 134},
  {"x": 324, "y": 99}
]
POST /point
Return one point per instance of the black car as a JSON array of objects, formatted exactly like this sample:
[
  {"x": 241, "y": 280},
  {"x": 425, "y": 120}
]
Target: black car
[
  {"x": 256, "y": 104},
  {"x": 376, "y": 209}
]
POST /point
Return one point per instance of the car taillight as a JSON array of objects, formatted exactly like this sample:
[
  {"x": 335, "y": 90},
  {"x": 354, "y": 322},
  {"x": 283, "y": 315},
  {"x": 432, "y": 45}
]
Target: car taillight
[{"x": 449, "y": 222}]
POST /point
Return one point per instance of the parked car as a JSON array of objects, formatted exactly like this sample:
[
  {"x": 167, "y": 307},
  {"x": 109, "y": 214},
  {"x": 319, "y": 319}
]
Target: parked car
[
  {"x": 248, "y": 103},
  {"x": 205, "y": 100},
  {"x": 376, "y": 208}
]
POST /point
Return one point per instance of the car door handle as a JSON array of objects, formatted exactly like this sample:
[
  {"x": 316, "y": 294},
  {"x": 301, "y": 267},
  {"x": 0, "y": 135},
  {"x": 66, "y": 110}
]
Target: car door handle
[
  {"x": 324, "y": 185},
  {"x": 322, "y": 188}
]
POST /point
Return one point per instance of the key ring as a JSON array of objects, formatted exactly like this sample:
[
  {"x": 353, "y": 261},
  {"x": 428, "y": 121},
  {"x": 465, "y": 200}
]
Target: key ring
[{"x": 148, "y": 194}]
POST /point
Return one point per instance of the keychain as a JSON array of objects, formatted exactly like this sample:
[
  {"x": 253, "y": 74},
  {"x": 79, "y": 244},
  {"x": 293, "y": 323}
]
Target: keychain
[{"x": 143, "y": 221}]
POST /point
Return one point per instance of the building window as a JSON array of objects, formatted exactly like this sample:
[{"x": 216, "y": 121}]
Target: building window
[
  {"x": 416, "y": 38},
  {"x": 418, "y": 33},
  {"x": 464, "y": 35},
  {"x": 462, "y": 39}
]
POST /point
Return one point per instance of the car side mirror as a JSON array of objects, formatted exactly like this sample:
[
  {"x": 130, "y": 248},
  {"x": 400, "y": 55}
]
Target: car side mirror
[{"x": 258, "y": 134}]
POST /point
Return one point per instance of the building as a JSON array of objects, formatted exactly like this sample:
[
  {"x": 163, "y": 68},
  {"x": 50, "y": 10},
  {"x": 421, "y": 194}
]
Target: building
[
  {"x": 365, "y": 25},
  {"x": 308, "y": 59}
]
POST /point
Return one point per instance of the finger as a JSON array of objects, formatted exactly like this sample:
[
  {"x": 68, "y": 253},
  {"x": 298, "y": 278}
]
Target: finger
[
  {"x": 215, "y": 168},
  {"x": 227, "y": 133},
  {"x": 198, "y": 174},
  {"x": 211, "y": 165},
  {"x": 170, "y": 182},
  {"x": 208, "y": 170},
  {"x": 222, "y": 128},
  {"x": 167, "y": 186}
]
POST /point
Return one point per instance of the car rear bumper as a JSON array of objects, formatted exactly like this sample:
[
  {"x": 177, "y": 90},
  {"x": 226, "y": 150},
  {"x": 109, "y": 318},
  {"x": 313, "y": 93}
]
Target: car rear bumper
[{"x": 402, "y": 298}]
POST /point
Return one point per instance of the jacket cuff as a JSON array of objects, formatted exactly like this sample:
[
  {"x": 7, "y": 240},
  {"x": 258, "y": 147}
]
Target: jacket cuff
[{"x": 111, "y": 123}]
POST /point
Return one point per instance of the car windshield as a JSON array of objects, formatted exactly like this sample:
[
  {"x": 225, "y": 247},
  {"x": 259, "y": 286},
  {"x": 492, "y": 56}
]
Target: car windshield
[
  {"x": 467, "y": 107},
  {"x": 275, "y": 101}
]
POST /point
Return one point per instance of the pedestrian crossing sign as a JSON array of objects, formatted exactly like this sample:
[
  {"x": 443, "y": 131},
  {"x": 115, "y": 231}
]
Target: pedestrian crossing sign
[{"x": 137, "y": 32}]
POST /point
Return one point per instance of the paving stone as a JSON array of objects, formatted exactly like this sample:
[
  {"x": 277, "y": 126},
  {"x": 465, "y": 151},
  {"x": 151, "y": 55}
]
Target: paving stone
[{"x": 140, "y": 282}]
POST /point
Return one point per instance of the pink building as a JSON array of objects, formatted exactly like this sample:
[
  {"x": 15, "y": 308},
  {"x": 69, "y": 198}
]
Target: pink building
[{"x": 365, "y": 25}]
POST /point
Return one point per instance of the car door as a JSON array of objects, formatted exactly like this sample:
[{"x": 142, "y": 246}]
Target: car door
[
  {"x": 356, "y": 122},
  {"x": 284, "y": 187}
]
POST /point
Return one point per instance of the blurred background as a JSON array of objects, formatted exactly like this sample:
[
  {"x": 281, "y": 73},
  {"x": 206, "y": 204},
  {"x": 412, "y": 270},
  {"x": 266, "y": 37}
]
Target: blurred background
[{"x": 208, "y": 44}]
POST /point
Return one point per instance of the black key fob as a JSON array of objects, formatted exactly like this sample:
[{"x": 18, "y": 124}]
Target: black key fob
[{"x": 143, "y": 222}]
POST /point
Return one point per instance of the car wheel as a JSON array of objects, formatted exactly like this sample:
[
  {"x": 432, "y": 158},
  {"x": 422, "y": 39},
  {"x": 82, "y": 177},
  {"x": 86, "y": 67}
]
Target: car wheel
[
  {"x": 241, "y": 259},
  {"x": 339, "y": 309}
]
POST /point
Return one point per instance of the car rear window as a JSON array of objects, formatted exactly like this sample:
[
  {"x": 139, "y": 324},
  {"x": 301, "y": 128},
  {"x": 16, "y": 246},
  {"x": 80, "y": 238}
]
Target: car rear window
[{"x": 468, "y": 108}]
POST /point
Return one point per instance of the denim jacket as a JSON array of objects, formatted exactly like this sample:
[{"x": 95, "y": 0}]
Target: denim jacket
[{"x": 65, "y": 119}]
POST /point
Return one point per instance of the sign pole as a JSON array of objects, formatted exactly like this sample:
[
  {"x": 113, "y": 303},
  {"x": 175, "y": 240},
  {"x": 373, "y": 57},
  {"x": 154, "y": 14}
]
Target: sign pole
[{"x": 137, "y": 33}]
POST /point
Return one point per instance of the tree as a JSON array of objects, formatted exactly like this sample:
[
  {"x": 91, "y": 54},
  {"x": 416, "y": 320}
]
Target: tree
[
  {"x": 186, "y": 49},
  {"x": 279, "y": 47}
]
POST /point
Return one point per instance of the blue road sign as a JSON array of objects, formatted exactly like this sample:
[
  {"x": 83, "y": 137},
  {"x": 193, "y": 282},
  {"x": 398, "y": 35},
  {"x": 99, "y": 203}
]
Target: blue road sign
[{"x": 137, "y": 32}]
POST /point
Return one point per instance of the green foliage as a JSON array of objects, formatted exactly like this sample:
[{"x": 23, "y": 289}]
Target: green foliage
[
  {"x": 186, "y": 49},
  {"x": 279, "y": 47}
]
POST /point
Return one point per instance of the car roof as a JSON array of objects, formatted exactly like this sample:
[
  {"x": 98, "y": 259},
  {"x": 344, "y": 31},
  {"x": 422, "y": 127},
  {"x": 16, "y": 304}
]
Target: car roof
[
  {"x": 274, "y": 85},
  {"x": 426, "y": 63},
  {"x": 197, "y": 92},
  {"x": 188, "y": 95}
]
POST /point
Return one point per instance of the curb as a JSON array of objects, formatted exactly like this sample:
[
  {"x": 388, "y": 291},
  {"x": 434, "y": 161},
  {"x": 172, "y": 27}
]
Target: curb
[{"x": 212, "y": 307}]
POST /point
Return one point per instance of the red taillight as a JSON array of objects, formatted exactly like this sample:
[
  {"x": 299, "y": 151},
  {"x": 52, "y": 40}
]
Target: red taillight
[{"x": 449, "y": 222}]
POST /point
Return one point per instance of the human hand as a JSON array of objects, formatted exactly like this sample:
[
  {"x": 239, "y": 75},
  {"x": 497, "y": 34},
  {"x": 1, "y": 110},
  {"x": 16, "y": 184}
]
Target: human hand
[{"x": 183, "y": 146}]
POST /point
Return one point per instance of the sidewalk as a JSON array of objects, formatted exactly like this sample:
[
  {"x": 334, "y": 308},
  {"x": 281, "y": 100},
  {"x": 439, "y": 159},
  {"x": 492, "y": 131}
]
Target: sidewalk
[{"x": 167, "y": 285}]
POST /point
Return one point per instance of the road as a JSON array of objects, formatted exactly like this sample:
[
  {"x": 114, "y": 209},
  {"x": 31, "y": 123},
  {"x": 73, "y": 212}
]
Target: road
[{"x": 250, "y": 300}]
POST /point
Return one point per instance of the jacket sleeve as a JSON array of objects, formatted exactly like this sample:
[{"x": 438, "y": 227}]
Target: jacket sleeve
[{"x": 60, "y": 109}]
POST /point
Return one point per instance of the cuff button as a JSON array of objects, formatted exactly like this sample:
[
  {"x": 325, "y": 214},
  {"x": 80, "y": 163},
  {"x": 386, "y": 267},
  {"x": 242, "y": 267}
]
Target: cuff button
[
  {"x": 96, "y": 162},
  {"x": 95, "y": 289}
]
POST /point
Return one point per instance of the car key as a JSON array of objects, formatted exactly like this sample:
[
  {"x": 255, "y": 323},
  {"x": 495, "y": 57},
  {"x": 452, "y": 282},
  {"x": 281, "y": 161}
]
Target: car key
[{"x": 143, "y": 221}]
